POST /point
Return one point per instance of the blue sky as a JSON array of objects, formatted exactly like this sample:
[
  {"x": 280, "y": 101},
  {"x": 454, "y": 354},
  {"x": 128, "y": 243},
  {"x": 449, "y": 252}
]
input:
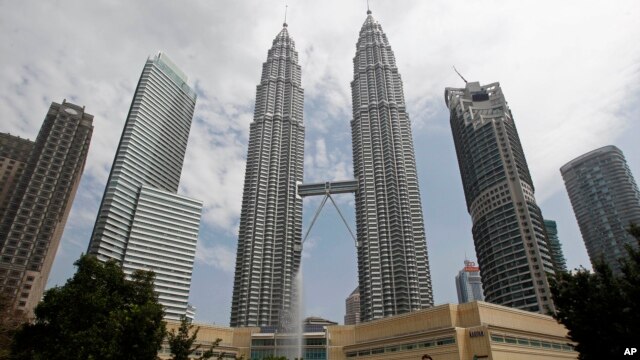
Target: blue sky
[{"x": 569, "y": 70}]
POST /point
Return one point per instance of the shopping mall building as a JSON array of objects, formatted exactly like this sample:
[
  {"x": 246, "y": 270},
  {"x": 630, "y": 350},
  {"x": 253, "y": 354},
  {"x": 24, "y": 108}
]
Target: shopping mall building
[{"x": 476, "y": 330}]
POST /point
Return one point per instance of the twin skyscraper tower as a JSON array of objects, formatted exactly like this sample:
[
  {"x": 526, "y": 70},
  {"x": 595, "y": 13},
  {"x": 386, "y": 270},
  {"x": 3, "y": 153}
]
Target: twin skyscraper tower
[
  {"x": 393, "y": 266},
  {"x": 144, "y": 224}
]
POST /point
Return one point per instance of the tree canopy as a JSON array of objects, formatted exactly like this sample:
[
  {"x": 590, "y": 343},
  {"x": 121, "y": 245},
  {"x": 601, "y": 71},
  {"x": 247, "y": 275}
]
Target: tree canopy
[
  {"x": 97, "y": 314},
  {"x": 10, "y": 321},
  {"x": 181, "y": 342},
  {"x": 601, "y": 310}
]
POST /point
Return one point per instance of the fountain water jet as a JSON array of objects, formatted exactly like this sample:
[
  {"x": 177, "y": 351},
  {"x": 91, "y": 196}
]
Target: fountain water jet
[
  {"x": 299, "y": 315},
  {"x": 290, "y": 332}
]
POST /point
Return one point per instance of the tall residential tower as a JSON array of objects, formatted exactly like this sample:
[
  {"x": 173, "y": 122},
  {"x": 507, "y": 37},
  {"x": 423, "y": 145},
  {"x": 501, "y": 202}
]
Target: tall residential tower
[
  {"x": 393, "y": 266},
  {"x": 142, "y": 223},
  {"x": 508, "y": 229},
  {"x": 14, "y": 154},
  {"x": 605, "y": 200},
  {"x": 269, "y": 240},
  {"x": 352, "y": 307},
  {"x": 38, "y": 203}
]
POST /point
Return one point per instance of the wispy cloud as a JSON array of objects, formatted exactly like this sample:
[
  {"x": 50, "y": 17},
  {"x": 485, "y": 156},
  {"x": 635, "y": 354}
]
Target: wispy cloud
[
  {"x": 570, "y": 79},
  {"x": 219, "y": 256}
]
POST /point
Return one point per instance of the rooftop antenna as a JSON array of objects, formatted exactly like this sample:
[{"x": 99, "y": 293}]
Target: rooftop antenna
[
  {"x": 285, "y": 14},
  {"x": 456, "y": 70}
]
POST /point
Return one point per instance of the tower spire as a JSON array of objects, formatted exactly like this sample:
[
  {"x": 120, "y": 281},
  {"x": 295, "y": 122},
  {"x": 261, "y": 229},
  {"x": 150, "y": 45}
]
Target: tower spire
[
  {"x": 456, "y": 70},
  {"x": 284, "y": 24},
  {"x": 368, "y": 10}
]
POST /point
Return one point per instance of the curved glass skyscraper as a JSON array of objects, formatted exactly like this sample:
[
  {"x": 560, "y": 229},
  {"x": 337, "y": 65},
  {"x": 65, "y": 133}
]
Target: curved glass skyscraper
[
  {"x": 508, "y": 230},
  {"x": 393, "y": 267},
  {"x": 269, "y": 240},
  {"x": 605, "y": 199}
]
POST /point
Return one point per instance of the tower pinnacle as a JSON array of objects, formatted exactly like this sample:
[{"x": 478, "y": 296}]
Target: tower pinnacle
[
  {"x": 457, "y": 72},
  {"x": 284, "y": 24}
]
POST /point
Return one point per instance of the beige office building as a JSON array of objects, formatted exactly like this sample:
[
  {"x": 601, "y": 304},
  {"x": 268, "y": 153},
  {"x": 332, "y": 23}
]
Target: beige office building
[{"x": 475, "y": 330}]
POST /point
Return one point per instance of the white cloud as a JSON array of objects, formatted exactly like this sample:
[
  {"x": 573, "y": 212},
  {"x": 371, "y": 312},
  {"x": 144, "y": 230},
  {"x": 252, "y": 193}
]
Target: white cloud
[
  {"x": 321, "y": 159},
  {"x": 214, "y": 164},
  {"x": 219, "y": 256},
  {"x": 570, "y": 78},
  {"x": 565, "y": 74}
]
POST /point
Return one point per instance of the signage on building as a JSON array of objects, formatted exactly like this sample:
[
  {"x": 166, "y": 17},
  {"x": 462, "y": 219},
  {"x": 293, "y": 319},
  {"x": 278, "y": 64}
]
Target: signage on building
[{"x": 470, "y": 266}]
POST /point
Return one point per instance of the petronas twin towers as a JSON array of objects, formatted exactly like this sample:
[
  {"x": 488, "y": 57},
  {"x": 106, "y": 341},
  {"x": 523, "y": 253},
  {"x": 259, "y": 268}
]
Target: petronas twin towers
[
  {"x": 393, "y": 264},
  {"x": 269, "y": 242}
]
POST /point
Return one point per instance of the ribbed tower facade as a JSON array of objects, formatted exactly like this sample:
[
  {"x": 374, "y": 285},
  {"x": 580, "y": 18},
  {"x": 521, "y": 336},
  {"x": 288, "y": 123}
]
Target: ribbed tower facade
[
  {"x": 508, "y": 229},
  {"x": 605, "y": 200},
  {"x": 393, "y": 266},
  {"x": 269, "y": 240},
  {"x": 142, "y": 223}
]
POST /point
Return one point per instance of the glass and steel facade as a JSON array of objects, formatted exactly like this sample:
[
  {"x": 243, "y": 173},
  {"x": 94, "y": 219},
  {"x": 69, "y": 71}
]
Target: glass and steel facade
[
  {"x": 269, "y": 239},
  {"x": 147, "y": 166},
  {"x": 508, "y": 229},
  {"x": 276, "y": 345},
  {"x": 469, "y": 283},
  {"x": 311, "y": 343},
  {"x": 554, "y": 245},
  {"x": 393, "y": 266},
  {"x": 39, "y": 202},
  {"x": 605, "y": 200}
]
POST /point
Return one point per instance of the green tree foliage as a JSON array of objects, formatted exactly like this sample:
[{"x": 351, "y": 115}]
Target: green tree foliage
[
  {"x": 181, "y": 343},
  {"x": 10, "y": 322},
  {"x": 600, "y": 310},
  {"x": 97, "y": 314}
]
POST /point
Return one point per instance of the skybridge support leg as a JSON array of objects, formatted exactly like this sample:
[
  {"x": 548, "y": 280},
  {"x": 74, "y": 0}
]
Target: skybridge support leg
[{"x": 315, "y": 217}]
